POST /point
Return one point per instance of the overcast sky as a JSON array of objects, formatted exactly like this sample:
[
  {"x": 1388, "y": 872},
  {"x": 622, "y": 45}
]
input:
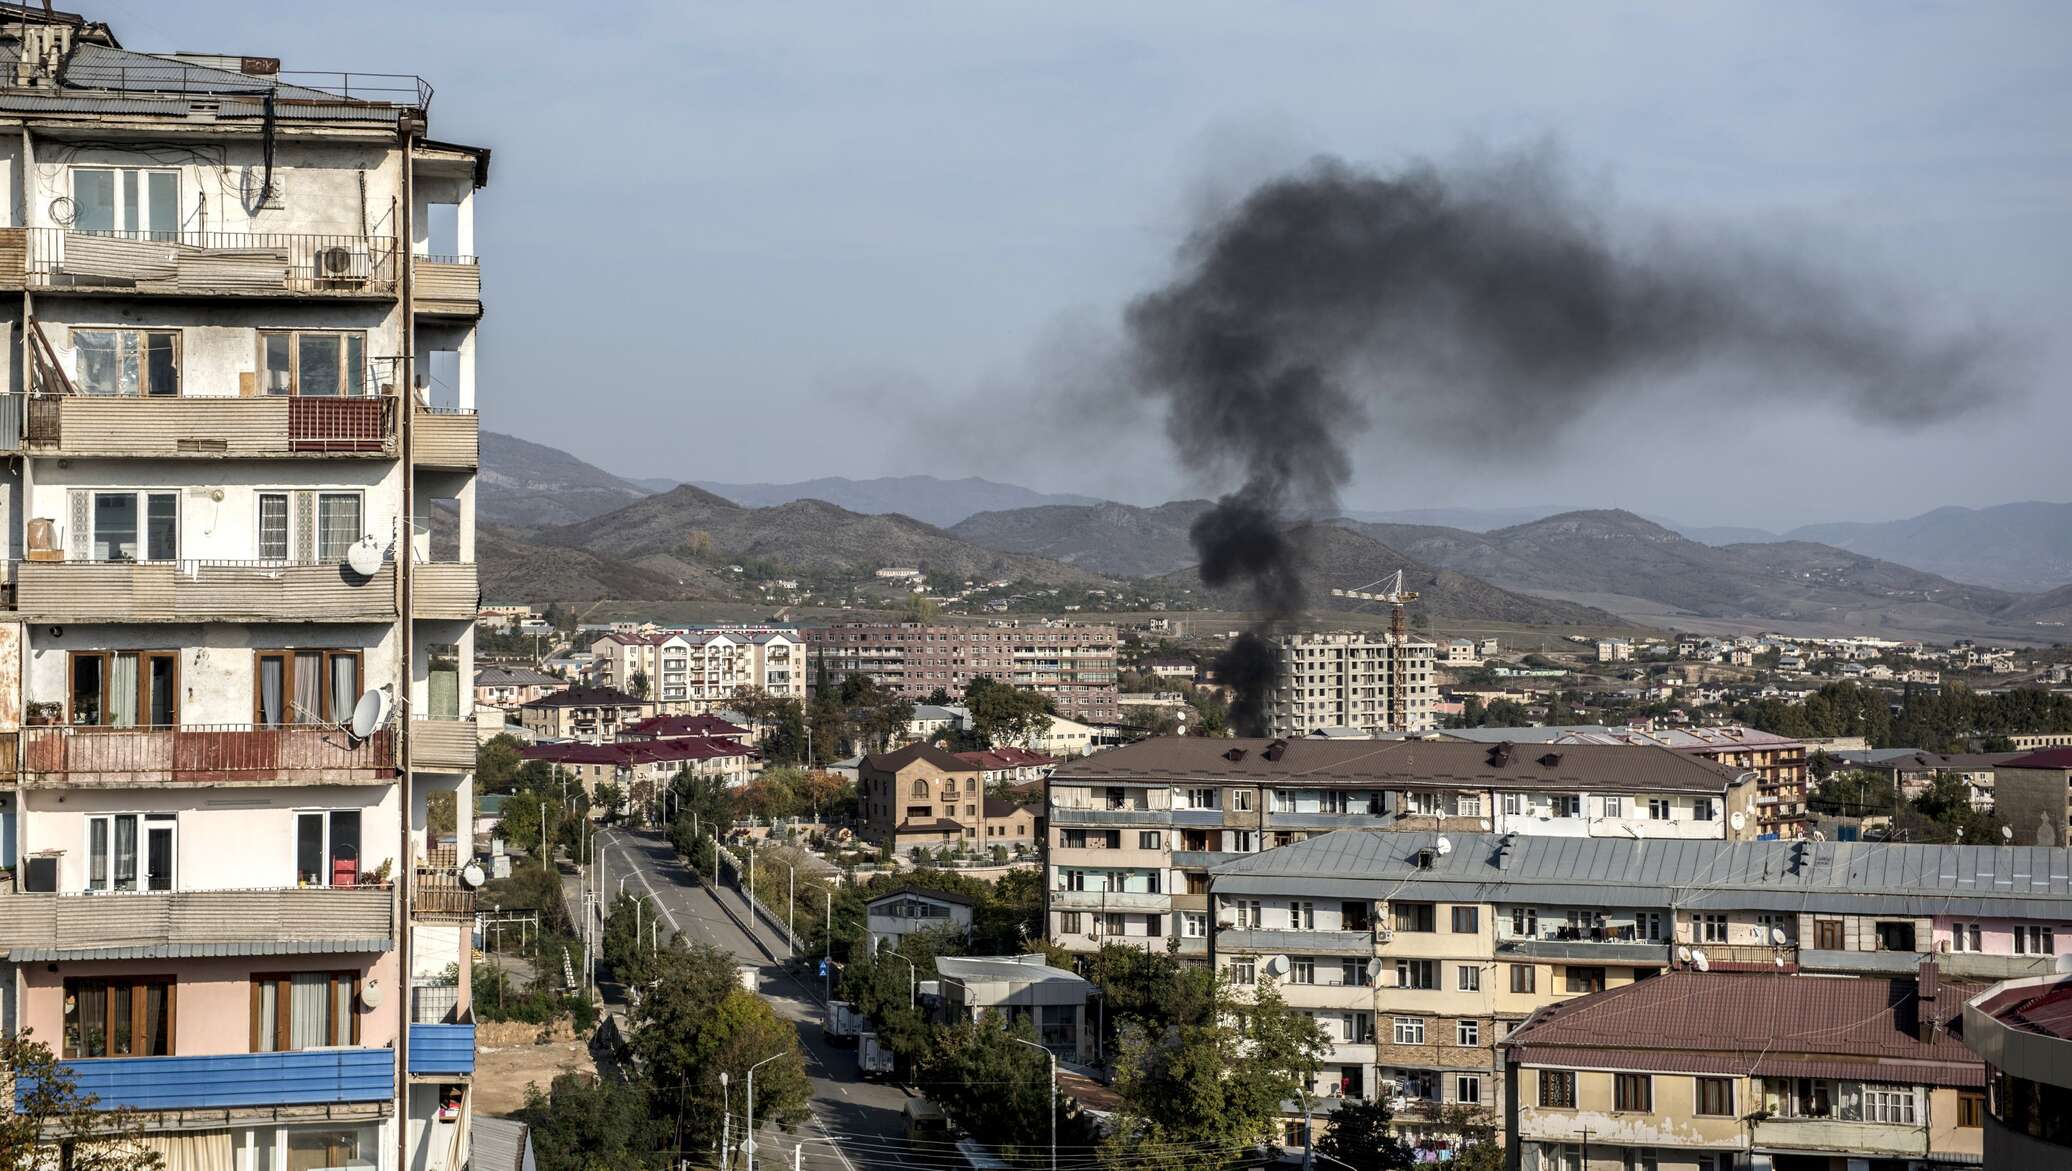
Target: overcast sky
[{"x": 755, "y": 241}]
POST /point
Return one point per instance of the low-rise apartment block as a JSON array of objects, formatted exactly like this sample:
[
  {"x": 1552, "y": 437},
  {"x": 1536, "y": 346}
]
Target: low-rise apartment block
[
  {"x": 594, "y": 714},
  {"x": 2032, "y": 793},
  {"x": 701, "y": 670},
  {"x": 1372, "y": 682},
  {"x": 1074, "y": 664},
  {"x": 923, "y": 797}
]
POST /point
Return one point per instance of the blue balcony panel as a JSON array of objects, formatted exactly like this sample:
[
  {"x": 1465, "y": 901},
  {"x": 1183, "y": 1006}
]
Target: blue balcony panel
[
  {"x": 442, "y": 1049},
  {"x": 309, "y": 1077}
]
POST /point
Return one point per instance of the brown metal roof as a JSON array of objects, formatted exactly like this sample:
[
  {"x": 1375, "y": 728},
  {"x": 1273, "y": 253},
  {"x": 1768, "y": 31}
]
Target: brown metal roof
[
  {"x": 892, "y": 762},
  {"x": 1322, "y": 762},
  {"x": 1754, "y": 1023}
]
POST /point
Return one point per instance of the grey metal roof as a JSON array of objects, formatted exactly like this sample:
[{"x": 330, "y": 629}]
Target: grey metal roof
[
  {"x": 1028, "y": 969},
  {"x": 2016, "y": 881},
  {"x": 499, "y": 1144},
  {"x": 197, "y": 923},
  {"x": 190, "y": 951},
  {"x": 102, "y": 79}
]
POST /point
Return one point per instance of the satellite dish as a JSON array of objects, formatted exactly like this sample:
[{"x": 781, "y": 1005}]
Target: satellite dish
[
  {"x": 2006, "y": 833},
  {"x": 1375, "y": 968},
  {"x": 1684, "y": 954},
  {"x": 1819, "y": 836},
  {"x": 1485, "y": 825},
  {"x": 1778, "y": 960},
  {"x": 364, "y": 557},
  {"x": 372, "y": 713},
  {"x": 1777, "y": 936},
  {"x": 1445, "y": 847},
  {"x": 1737, "y": 820},
  {"x": 1277, "y": 965},
  {"x": 372, "y": 994},
  {"x": 1699, "y": 961},
  {"x": 471, "y": 875}
]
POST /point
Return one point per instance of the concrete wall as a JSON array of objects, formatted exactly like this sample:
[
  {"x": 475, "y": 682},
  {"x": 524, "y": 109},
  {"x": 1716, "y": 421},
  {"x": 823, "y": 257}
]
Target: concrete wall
[
  {"x": 219, "y": 341},
  {"x": 317, "y": 185},
  {"x": 217, "y": 665},
  {"x": 2032, "y": 801}
]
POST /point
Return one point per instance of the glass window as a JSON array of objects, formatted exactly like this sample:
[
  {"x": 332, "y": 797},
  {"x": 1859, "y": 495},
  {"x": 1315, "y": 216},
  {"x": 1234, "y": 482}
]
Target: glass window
[
  {"x": 1409, "y": 1030},
  {"x": 1467, "y": 1034},
  {"x": 93, "y": 200},
  {"x": 273, "y": 526},
  {"x": 115, "y": 526},
  {"x": 161, "y": 526},
  {"x": 1522, "y": 977},
  {"x": 119, "y": 1017},
  {"x": 317, "y": 363},
  {"x": 1467, "y": 920},
  {"x": 128, "y": 361},
  {"x": 1469, "y": 978},
  {"x": 1715, "y": 1097},
  {"x": 1557, "y": 1088},
  {"x": 338, "y": 524},
  {"x": 303, "y": 1010},
  {"x": 331, "y": 1148},
  {"x": 1633, "y": 1092}
]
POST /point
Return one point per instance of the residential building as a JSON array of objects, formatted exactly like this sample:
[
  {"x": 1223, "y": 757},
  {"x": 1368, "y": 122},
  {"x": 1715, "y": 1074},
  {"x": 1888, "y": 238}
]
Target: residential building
[
  {"x": 1071, "y": 663},
  {"x": 2032, "y": 793},
  {"x": 1749, "y": 1069},
  {"x": 1364, "y": 680},
  {"x": 1148, "y": 820},
  {"x": 2031, "y": 741},
  {"x": 1614, "y": 650},
  {"x": 1459, "y": 652},
  {"x": 922, "y": 797},
  {"x": 1022, "y": 987},
  {"x": 701, "y": 670},
  {"x": 1913, "y": 771},
  {"x": 500, "y": 686},
  {"x": 931, "y": 720},
  {"x": 907, "y": 910},
  {"x": 593, "y": 714},
  {"x": 241, "y": 494},
  {"x": 1009, "y": 766},
  {"x": 1421, "y": 951},
  {"x": 1169, "y": 666},
  {"x": 1066, "y": 738},
  {"x": 642, "y": 768},
  {"x": 2023, "y": 1031}
]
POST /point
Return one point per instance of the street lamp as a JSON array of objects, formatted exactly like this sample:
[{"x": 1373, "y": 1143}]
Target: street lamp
[
  {"x": 1053, "y": 1096},
  {"x": 748, "y": 1143},
  {"x": 913, "y": 977}
]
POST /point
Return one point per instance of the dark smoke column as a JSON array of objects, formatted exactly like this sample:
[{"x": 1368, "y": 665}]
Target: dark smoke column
[{"x": 1489, "y": 302}]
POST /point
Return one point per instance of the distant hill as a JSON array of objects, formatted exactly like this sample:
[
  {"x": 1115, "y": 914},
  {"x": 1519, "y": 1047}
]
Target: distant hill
[
  {"x": 1120, "y": 540},
  {"x": 1340, "y": 558},
  {"x": 2025, "y": 546},
  {"x": 531, "y": 485},
  {"x": 2047, "y": 609},
  {"x": 1475, "y": 520},
  {"x": 931, "y": 499},
  {"x": 1726, "y": 534},
  {"x": 515, "y": 570}
]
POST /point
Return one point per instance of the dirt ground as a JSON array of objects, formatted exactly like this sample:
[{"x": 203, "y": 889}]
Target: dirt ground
[{"x": 503, "y": 1070}]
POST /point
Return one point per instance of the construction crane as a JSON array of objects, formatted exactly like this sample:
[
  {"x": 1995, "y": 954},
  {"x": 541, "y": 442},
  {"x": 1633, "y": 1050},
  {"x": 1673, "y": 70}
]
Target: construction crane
[{"x": 1399, "y": 634}]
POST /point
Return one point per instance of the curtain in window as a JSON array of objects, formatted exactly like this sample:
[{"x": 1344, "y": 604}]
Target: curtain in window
[
  {"x": 97, "y": 854},
  {"x": 122, "y": 692},
  {"x": 309, "y": 689},
  {"x": 309, "y": 1013},
  {"x": 342, "y": 1008},
  {"x": 269, "y": 1013},
  {"x": 190, "y": 1152},
  {"x": 126, "y": 852},
  {"x": 273, "y": 526},
  {"x": 345, "y": 687},
  {"x": 270, "y": 690}
]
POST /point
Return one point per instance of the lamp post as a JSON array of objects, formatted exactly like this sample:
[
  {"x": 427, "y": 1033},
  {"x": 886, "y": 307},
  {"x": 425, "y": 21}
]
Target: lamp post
[
  {"x": 726, "y": 1123},
  {"x": 913, "y": 978},
  {"x": 748, "y": 1143},
  {"x": 1053, "y": 1096}
]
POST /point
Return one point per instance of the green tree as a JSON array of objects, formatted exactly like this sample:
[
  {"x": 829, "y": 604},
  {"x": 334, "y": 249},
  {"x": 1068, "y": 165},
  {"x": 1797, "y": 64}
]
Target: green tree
[
  {"x": 587, "y": 1123},
  {"x": 637, "y": 685},
  {"x": 610, "y": 798},
  {"x": 1360, "y": 1137},
  {"x": 1856, "y": 793},
  {"x": 1476, "y": 1129},
  {"x": 52, "y": 1123},
  {"x": 497, "y": 763},
  {"x": 997, "y": 1089},
  {"x": 1002, "y": 713}
]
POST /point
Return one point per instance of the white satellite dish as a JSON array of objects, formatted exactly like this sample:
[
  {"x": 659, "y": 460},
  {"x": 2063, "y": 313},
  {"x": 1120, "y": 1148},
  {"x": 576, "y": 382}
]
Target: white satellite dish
[
  {"x": 1684, "y": 954},
  {"x": 1699, "y": 961},
  {"x": 372, "y": 713},
  {"x": 1445, "y": 847},
  {"x": 2006, "y": 833},
  {"x": 1778, "y": 960},
  {"x": 1374, "y": 970},
  {"x": 1277, "y": 965},
  {"x": 471, "y": 875},
  {"x": 364, "y": 557},
  {"x": 1737, "y": 820},
  {"x": 371, "y": 994},
  {"x": 1819, "y": 836},
  {"x": 1777, "y": 936}
]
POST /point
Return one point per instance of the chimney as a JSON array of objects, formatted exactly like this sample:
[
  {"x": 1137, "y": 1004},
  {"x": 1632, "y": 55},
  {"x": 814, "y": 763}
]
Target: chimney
[
  {"x": 1500, "y": 756},
  {"x": 1503, "y": 850},
  {"x": 43, "y": 51},
  {"x": 1927, "y": 990},
  {"x": 1273, "y": 751}
]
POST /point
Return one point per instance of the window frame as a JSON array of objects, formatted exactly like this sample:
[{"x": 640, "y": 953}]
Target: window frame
[
  {"x": 284, "y": 1008},
  {"x": 1467, "y": 1034},
  {"x": 1524, "y": 978},
  {"x": 140, "y": 882},
  {"x": 137, "y": 984},
  {"x": 349, "y": 378},
  {"x": 119, "y": 205},
  {"x": 290, "y": 702},
  {"x": 1407, "y": 1030},
  {"x": 107, "y": 659},
  {"x": 1633, "y": 1093},
  {"x": 1557, "y": 1089},
  {"x": 1469, "y": 914},
  {"x": 141, "y": 499},
  {"x": 1718, "y": 1085},
  {"x": 141, "y": 335},
  {"x": 1467, "y": 978}
]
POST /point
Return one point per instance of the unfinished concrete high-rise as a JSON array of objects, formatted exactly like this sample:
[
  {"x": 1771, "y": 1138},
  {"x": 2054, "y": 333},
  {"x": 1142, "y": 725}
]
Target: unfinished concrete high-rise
[{"x": 1366, "y": 682}]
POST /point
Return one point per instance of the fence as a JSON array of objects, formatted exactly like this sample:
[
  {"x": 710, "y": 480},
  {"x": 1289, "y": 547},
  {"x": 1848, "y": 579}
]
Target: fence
[
  {"x": 205, "y": 752},
  {"x": 217, "y": 262}
]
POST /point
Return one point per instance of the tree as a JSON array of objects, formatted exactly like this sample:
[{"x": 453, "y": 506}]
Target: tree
[
  {"x": 940, "y": 697},
  {"x": 587, "y": 1123},
  {"x": 637, "y": 685},
  {"x": 1479, "y": 1149},
  {"x": 1002, "y": 713},
  {"x": 610, "y": 798},
  {"x": 998, "y": 1090},
  {"x": 497, "y": 763},
  {"x": 51, "y": 1115},
  {"x": 1360, "y": 1137}
]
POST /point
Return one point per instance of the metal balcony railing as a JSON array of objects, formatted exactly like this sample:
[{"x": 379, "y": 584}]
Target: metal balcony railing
[
  {"x": 205, "y": 753},
  {"x": 207, "y": 425},
  {"x": 192, "y": 590},
  {"x": 216, "y": 263}
]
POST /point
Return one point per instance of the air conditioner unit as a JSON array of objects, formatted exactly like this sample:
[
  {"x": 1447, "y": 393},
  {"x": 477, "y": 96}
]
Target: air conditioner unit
[{"x": 340, "y": 263}]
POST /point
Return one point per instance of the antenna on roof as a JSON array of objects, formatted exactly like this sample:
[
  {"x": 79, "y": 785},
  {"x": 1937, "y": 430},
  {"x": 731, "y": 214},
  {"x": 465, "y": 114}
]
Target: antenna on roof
[
  {"x": 1699, "y": 961},
  {"x": 1445, "y": 847}
]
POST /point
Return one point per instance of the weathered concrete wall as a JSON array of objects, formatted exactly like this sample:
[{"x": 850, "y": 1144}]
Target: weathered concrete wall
[{"x": 217, "y": 667}]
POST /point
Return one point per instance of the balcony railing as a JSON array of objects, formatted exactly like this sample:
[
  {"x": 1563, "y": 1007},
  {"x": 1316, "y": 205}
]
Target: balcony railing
[
  {"x": 205, "y": 753},
  {"x": 444, "y": 589},
  {"x": 439, "y": 893},
  {"x": 271, "y": 921},
  {"x": 307, "y": 1077},
  {"x": 1113, "y": 900},
  {"x": 443, "y": 745},
  {"x": 442, "y": 1049},
  {"x": 1102, "y": 815},
  {"x": 212, "y": 263},
  {"x": 441, "y": 438},
  {"x": 448, "y": 286},
  {"x": 203, "y": 591},
  {"x": 209, "y": 426}
]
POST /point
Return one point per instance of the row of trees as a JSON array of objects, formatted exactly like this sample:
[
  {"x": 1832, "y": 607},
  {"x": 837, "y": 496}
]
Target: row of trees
[
  {"x": 1940, "y": 814},
  {"x": 1940, "y": 719}
]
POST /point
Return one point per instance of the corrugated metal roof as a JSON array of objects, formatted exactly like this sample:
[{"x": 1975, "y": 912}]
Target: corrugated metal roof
[
  {"x": 2016, "y": 881},
  {"x": 1028, "y": 969},
  {"x": 190, "y": 951},
  {"x": 499, "y": 1144},
  {"x": 169, "y": 924}
]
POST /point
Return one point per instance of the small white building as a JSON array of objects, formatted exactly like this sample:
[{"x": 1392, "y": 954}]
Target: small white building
[
  {"x": 896, "y": 914},
  {"x": 1023, "y": 987}
]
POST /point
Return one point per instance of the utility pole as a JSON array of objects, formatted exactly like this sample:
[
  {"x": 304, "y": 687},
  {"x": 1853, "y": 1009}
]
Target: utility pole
[
  {"x": 827, "y": 957},
  {"x": 1053, "y": 1096},
  {"x": 726, "y": 1124},
  {"x": 748, "y": 1144}
]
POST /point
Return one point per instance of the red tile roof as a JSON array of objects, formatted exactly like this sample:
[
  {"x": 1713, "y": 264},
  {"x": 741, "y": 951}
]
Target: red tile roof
[
  {"x": 663, "y": 727},
  {"x": 634, "y": 752},
  {"x": 1004, "y": 758},
  {"x": 2060, "y": 757},
  {"x": 892, "y": 762}
]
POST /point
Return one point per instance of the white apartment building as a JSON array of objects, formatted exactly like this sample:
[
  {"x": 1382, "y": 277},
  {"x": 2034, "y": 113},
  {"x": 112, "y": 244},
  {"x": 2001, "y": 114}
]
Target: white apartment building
[
  {"x": 240, "y": 398},
  {"x": 1349, "y": 680},
  {"x": 691, "y": 671}
]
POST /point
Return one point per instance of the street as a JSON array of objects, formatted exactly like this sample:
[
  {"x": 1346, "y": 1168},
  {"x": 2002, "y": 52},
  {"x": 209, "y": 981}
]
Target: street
[{"x": 857, "y": 1125}]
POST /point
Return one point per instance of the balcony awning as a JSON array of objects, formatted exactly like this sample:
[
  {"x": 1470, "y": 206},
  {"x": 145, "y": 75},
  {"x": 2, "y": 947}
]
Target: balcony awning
[{"x": 191, "y": 951}]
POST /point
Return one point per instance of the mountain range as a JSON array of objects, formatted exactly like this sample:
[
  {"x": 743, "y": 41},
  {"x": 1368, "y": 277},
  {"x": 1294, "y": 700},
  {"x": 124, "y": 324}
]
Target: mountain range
[{"x": 925, "y": 498}]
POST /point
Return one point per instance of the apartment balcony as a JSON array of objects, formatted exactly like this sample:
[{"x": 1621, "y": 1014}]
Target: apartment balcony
[
  {"x": 1112, "y": 900},
  {"x": 446, "y": 286},
  {"x": 1855, "y": 963},
  {"x": 213, "y": 426},
  {"x": 205, "y": 264},
  {"x": 1328, "y": 995},
  {"x": 1066, "y": 816},
  {"x": 1859, "y": 1139},
  {"x": 444, "y": 589},
  {"x": 1348, "y": 820},
  {"x": 203, "y": 591},
  {"x": 446, "y": 1050},
  {"x": 446, "y": 746},
  {"x": 1262, "y": 941},
  {"x": 1202, "y": 818},
  {"x": 446, "y": 439},
  {"x": 439, "y": 893},
  {"x": 307, "y": 1077},
  {"x": 1610, "y": 949},
  {"x": 51, "y": 928},
  {"x": 1204, "y": 859},
  {"x": 199, "y": 754}
]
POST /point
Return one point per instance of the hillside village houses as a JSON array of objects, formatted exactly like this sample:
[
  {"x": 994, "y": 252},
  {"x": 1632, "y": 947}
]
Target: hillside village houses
[{"x": 241, "y": 511}]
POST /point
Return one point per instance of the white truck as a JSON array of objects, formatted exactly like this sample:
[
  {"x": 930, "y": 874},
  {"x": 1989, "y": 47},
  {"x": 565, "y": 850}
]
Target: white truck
[
  {"x": 844, "y": 1023},
  {"x": 873, "y": 1057}
]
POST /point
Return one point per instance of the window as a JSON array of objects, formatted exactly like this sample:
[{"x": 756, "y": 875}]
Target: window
[
  {"x": 1633, "y": 1093},
  {"x": 1777, "y": 927},
  {"x": 273, "y": 526},
  {"x": 1249, "y": 913},
  {"x": 1194, "y": 925},
  {"x": 1827, "y": 934},
  {"x": 305, "y": 687},
  {"x": 1421, "y": 974},
  {"x": 1522, "y": 977},
  {"x": 1965, "y": 936},
  {"x": 1414, "y": 917},
  {"x": 125, "y": 689},
  {"x": 1244, "y": 971},
  {"x": 1712, "y": 928},
  {"x": 1889, "y": 1104},
  {"x": 1353, "y": 916},
  {"x": 313, "y": 363},
  {"x": 1302, "y": 916},
  {"x": 1198, "y": 799},
  {"x": 1468, "y": 805},
  {"x": 1647, "y": 925},
  {"x": 1558, "y": 1088},
  {"x": 130, "y": 851},
  {"x": 1409, "y": 1030},
  {"x": 1467, "y": 1034},
  {"x": 1525, "y": 922},
  {"x": 1715, "y": 1097},
  {"x": 1467, "y": 920},
  {"x": 1468, "y": 978},
  {"x": 1150, "y": 839},
  {"x": 304, "y": 1010},
  {"x": 921, "y": 790},
  {"x": 1069, "y": 923},
  {"x": 1241, "y": 799},
  {"x": 1896, "y": 936},
  {"x": 1701, "y": 809},
  {"x": 1302, "y": 970},
  {"x": 1427, "y": 803},
  {"x": 131, "y": 200},
  {"x": 327, "y": 848},
  {"x": 1467, "y": 1089},
  {"x": 2034, "y": 941},
  {"x": 1615, "y": 807},
  {"x": 1513, "y": 804},
  {"x": 128, "y": 361},
  {"x": 128, "y": 1016},
  {"x": 1584, "y": 979},
  {"x": 1658, "y": 809},
  {"x": 338, "y": 524},
  {"x": 136, "y": 526},
  {"x": 1971, "y": 1108}
]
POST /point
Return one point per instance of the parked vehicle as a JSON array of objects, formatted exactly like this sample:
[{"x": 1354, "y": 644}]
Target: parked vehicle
[
  {"x": 925, "y": 1121},
  {"x": 874, "y": 1057},
  {"x": 844, "y": 1023}
]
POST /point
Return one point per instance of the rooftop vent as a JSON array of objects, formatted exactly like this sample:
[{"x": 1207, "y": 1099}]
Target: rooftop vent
[
  {"x": 1235, "y": 754},
  {"x": 43, "y": 51},
  {"x": 1500, "y": 755},
  {"x": 1425, "y": 859},
  {"x": 1550, "y": 759},
  {"x": 1274, "y": 750}
]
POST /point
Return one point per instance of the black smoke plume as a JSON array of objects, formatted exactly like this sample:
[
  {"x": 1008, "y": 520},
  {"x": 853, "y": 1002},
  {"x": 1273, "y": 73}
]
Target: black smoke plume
[{"x": 1489, "y": 302}]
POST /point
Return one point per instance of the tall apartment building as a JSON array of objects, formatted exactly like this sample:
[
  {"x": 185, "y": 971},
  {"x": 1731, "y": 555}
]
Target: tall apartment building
[
  {"x": 1370, "y": 681},
  {"x": 1072, "y": 663},
  {"x": 241, "y": 500},
  {"x": 1419, "y": 953},
  {"x": 1134, "y": 832},
  {"x": 691, "y": 671}
]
